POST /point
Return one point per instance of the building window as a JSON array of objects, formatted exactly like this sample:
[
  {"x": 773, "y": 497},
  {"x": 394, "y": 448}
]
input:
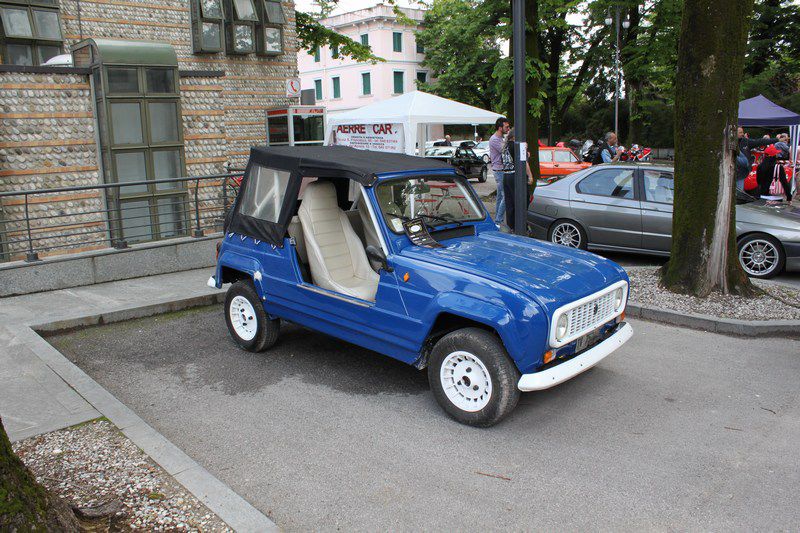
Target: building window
[
  {"x": 318, "y": 89},
  {"x": 31, "y": 32},
  {"x": 316, "y": 55},
  {"x": 272, "y": 41},
  {"x": 141, "y": 139},
  {"x": 397, "y": 41},
  {"x": 365, "y": 39},
  {"x": 335, "y": 51},
  {"x": 398, "y": 82},
  {"x": 337, "y": 88},
  {"x": 420, "y": 48},
  {"x": 366, "y": 84},
  {"x": 237, "y": 26},
  {"x": 422, "y": 77}
]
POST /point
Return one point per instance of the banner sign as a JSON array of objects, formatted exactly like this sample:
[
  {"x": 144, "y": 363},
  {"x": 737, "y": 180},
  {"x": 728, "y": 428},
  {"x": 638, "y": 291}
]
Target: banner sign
[{"x": 378, "y": 137}]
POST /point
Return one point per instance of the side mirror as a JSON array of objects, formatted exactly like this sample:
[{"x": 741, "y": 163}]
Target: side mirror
[{"x": 378, "y": 256}]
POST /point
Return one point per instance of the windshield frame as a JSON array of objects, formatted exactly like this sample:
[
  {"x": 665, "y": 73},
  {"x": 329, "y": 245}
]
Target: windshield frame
[{"x": 455, "y": 178}]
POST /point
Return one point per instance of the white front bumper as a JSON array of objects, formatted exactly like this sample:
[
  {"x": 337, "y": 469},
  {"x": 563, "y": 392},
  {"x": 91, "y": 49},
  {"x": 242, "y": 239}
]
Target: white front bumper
[{"x": 569, "y": 369}]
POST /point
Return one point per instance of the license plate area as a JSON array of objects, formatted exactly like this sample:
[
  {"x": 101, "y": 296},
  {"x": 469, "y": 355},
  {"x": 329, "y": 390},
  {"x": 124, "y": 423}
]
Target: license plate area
[{"x": 587, "y": 341}]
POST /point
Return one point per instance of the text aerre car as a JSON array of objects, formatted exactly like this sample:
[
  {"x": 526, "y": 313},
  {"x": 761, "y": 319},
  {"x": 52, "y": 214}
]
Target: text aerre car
[
  {"x": 397, "y": 254},
  {"x": 628, "y": 207}
]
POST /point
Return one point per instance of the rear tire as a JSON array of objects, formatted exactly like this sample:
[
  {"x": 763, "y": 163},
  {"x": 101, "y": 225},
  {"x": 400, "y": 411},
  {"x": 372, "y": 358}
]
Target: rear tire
[
  {"x": 568, "y": 233},
  {"x": 761, "y": 256},
  {"x": 248, "y": 323},
  {"x": 472, "y": 377}
]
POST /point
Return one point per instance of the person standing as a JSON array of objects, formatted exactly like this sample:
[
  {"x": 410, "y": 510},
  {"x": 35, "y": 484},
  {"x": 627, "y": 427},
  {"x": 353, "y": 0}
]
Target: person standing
[
  {"x": 447, "y": 141},
  {"x": 770, "y": 171},
  {"x": 509, "y": 154},
  {"x": 608, "y": 152},
  {"x": 746, "y": 144},
  {"x": 783, "y": 146},
  {"x": 501, "y": 127}
]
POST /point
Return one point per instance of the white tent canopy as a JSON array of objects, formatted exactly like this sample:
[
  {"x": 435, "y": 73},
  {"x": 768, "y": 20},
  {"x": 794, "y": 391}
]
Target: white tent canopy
[{"x": 415, "y": 111}]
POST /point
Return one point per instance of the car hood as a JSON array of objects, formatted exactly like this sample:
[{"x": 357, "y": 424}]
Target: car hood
[{"x": 552, "y": 274}]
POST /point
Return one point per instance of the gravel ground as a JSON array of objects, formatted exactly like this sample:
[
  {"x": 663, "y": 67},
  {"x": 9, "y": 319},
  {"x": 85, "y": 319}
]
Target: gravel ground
[
  {"x": 91, "y": 464},
  {"x": 777, "y": 302}
]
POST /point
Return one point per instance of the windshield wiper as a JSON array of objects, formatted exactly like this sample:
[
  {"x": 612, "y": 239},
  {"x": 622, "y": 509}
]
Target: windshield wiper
[{"x": 443, "y": 219}]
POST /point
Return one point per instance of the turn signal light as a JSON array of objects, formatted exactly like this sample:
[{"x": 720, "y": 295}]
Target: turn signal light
[
  {"x": 621, "y": 317},
  {"x": 548, "y": 356}
]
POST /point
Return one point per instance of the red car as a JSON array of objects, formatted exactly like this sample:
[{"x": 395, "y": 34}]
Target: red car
[{"x": 557, "y": 161}]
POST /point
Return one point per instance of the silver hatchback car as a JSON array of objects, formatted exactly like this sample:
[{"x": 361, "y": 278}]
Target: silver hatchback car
[{"x": 628, "y": 207}]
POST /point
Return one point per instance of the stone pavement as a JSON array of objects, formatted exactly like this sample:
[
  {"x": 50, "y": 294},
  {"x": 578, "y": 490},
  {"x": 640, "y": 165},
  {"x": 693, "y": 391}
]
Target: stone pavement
[
  {"x": 42, "y": 391},
  {"x": 34, "y": 399}
]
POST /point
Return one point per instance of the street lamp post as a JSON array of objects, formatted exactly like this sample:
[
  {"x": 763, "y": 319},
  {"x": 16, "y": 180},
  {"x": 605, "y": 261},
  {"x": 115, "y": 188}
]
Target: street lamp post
[
  {"x": 625, "y": 24},
  {"x": 520, "y": 176}
]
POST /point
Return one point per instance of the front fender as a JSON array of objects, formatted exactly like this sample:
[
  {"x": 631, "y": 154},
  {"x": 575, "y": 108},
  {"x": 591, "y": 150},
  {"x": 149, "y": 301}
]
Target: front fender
[{"x": 521, "y": 323}]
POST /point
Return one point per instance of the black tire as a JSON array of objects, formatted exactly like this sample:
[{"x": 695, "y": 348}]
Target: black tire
[
  {"x": 562, "y": 223},
  {"x": 266, "y": 330},
  {"x": 748, "y": 250},
  {"x": 502, "y": 373},
  {"x": 484, "y": 175}
]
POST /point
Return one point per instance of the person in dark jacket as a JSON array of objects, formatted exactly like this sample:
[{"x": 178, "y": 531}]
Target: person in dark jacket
[
  {"x": 746, "y": 144},
  {"x": 510, "y": 150},
  {"x": 766, "y": 172},
  {"x": 608, "y": 152}
]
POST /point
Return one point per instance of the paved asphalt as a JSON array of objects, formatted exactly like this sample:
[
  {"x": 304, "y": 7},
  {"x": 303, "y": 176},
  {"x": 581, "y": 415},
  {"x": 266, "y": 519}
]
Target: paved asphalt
[{"x": 678, "y": 430}]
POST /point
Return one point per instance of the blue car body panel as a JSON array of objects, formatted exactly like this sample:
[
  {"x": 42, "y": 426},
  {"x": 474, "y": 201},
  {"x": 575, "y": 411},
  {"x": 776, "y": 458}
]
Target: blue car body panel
[{"x": 509, "y": 283}]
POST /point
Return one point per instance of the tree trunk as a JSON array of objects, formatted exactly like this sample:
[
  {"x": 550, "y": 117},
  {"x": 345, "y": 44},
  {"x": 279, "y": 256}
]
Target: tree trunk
[
  {"x": 532, "y": 85},
  {"x": 25, "y": 505},
  {"x": 632, "y": 90},
  {"x": 710, "y": 62}
]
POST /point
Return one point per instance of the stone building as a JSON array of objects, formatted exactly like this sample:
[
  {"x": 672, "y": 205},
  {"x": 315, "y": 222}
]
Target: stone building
[{"x": 157, "y": 89}]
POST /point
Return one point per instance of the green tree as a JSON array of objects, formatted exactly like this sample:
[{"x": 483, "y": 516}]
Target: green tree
[
  {"x": 461, "y": 52},
  {"x": 710, "y": 64}
]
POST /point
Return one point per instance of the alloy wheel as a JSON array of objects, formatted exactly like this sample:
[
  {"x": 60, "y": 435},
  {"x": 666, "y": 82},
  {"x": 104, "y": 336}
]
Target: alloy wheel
[
  {"x": 758, "y": 257},
  {"x": 566, "y": 234}
]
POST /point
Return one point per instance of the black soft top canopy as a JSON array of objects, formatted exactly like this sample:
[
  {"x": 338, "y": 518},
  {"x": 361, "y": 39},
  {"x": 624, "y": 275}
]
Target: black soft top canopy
[
  {"x": 339, "y": 161},
  {"x": 300, "y": 162}
]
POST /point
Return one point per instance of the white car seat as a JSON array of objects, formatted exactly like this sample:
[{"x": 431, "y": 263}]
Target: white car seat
[{"x": 336, "y": 256}]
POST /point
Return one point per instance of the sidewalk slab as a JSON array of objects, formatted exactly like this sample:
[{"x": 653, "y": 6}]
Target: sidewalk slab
[{"x": 42, "y": 391}]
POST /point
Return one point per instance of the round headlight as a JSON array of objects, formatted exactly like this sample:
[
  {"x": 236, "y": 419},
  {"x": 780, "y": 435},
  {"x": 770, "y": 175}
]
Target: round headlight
[
  {"x": 618, "y": 295},
  {"x": 561, "y": 327}
]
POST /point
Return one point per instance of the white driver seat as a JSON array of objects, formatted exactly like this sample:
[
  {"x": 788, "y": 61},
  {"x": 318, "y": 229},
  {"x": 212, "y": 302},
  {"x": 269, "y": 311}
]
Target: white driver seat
[{"x": 336, "y": 256}]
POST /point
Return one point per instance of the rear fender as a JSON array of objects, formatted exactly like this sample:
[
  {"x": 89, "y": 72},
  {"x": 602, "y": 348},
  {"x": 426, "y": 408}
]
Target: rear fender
[{"x": 251, "y": 267}]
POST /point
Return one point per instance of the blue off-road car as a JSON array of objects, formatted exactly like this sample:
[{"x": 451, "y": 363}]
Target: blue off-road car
[{"x": 397, "y": 254}]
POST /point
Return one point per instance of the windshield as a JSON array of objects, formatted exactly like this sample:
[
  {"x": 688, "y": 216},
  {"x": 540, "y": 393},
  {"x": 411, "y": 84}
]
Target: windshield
[
  {"x": 437, "y": 200},
  {"x": 440, "y": 150},
  {"x": 484, "y": 145}
]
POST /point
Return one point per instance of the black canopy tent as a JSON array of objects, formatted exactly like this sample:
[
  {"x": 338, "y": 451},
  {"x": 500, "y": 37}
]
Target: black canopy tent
[{"x": 361, "y": 166}]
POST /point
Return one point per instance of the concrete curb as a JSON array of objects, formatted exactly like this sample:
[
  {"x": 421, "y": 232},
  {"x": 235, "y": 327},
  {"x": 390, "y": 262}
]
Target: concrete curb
[
  {"x": 726, "y": 326},
  {"x": 218, "y": 497}
]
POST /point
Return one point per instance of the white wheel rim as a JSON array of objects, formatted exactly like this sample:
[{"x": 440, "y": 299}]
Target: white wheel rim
[
  {"x": 466, "y": 381},
  {"x": 567, "y": 235},
  {"x": 758, "y": 257},
  {"x": 243, "y": 318}
]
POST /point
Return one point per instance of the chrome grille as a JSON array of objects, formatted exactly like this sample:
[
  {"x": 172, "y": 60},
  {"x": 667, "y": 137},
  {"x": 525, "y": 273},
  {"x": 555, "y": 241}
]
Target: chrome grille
[{"x": 591, "y": 315}]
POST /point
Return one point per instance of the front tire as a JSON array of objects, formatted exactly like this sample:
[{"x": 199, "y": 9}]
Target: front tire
[
  {"x": 761, "y": 256},
  {"x": 568, "y": 233},
  {"x": 472, "y": 377},
  {"x": 248, "y": 323},
  {"x": 484, "y": 175}
]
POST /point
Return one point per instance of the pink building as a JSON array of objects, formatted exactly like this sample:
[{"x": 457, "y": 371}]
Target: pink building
[{"x": 341, "y": 83}]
